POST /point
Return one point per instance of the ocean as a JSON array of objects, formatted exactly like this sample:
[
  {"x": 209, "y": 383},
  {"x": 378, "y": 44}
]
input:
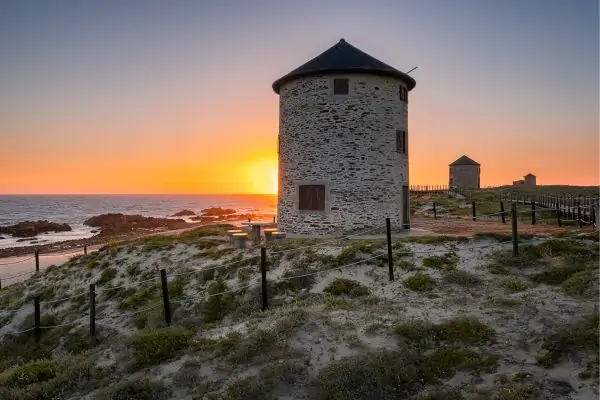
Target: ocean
[{"x": 75, "y": 209}]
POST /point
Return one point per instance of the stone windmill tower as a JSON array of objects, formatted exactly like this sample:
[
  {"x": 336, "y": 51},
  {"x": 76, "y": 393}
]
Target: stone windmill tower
[{"x": 343, "y": 144}]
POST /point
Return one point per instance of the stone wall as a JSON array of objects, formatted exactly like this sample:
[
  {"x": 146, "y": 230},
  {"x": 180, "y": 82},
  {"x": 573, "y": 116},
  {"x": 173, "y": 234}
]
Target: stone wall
[
  {"x": 348, "y": 143},
  {"x": 465, "y": 176}
]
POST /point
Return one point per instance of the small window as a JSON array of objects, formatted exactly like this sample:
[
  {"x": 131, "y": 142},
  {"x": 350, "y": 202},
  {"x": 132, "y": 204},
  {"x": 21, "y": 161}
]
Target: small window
[
  {"x": 403, "y": 93},
  {"x": 401, "y": 141},
  {"x": 340, "y": 86},
  {"x": 311, "y": 197}
]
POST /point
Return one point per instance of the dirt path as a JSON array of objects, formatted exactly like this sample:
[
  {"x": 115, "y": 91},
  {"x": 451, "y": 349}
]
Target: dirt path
[{"x": 467, "y": 227}]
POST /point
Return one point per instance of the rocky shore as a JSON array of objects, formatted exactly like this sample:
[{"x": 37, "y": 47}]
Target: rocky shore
[{"x": 122, "y": 227}]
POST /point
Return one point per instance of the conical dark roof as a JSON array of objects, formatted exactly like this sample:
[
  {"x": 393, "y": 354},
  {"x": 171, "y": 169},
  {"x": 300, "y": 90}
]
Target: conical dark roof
[
  {"x": 464, "y": 160},
  {"x": 344, "y": 58}
]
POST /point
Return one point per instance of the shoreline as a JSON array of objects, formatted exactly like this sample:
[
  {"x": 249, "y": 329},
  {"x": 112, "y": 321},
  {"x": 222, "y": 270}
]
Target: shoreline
[{"x": 102, "y": 239}]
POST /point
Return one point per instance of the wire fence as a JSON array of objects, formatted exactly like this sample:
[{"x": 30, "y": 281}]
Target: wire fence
[
  {"x": 203, "y": 295},
  {"x": 545, "y": 214}
]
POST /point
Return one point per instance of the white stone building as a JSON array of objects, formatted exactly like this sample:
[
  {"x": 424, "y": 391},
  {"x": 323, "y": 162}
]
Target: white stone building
[
  {"x": 465, "y": 173},
  {"x": 343, "y": 144}
]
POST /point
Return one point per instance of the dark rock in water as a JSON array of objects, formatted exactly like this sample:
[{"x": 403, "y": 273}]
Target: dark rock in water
[
  {"x": 183, "y": 213},
  {"x": 25, "y": 240},
  {"x": 113, "y": 224},
  {"x": 95, "y": 231},
  {"x": 33, "y": 228},
  {"x": 217, "y": 211},
  {"x": 2, "y": 237}
]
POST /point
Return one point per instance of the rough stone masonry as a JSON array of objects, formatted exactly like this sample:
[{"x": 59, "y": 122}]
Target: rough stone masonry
[
  {"x": 346, "y": 142},
  {"x": 343, "y": 144}
]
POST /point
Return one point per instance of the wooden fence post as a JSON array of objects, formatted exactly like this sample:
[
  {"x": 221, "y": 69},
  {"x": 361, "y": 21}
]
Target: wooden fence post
[
  {"x": 93, "y": 313},
  {"x": 388, "y": 228},
  {"x": 558, "y": 215},
  {"x": 592, "y": 216},
  {"x": 37, "y": 318},
  {"x": 579, "y": 216},
  {"x": 37, "y": 261},
  {"x": 533, "y": 213},
  {"x": 515, "y": 238},
  {"x": 434, "y": 211},
  {"x": 474, "y": 212},
  {"x": 165, "y": 294},
  {"x": 263, "y": 278},
  {"x": 502, "y": 212},
  {"x": 85, "y": 249}
]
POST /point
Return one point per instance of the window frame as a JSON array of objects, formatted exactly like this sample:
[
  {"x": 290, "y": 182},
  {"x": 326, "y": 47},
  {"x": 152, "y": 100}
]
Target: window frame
[
  {"x": 326, "y": 199},
  {"x": 335, "y": 86},
  {"x": 401, "y": 138}
]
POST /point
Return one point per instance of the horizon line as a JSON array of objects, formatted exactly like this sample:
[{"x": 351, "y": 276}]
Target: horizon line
[{"x": 138, "y": 194}]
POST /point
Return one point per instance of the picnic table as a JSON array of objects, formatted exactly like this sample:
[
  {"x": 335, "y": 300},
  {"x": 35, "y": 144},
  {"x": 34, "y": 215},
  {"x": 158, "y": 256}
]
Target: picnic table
[{"x": 255, "y": 229}]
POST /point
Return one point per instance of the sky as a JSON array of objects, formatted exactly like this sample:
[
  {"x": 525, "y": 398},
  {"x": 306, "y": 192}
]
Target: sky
[{"x": 175, "y": 96}]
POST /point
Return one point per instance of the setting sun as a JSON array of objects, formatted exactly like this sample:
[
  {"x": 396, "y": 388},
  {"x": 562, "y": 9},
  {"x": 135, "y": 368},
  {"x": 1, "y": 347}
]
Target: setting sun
[{"x": 262, "y": 176}]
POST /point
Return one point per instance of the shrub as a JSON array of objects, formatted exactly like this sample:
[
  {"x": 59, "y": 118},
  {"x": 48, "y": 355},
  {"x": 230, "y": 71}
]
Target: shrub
[
  {"x": 420, "y": 282},
  {"x": 557, "y": 275},
  {"x": 581, "y": 282},
  {"x": 35, "y": 371},
  {"x": 347, "y": 256},
  {"x": 381, "y": 375},
  {"x": 138, "y": 298},
  {"x": 140, "y": 388},
  {"x": 582, "y": 336},
  {"x": 503, "y": 302},
  {"x": 107, "y": 275},
  {"x": 159, "y": 345},
  {"x": 460, "y": 329},
  {"x": 348, "y": 287},
  {"x": 513, "y": 283},
  {"x": 447, "y": 261},
  {"x": 444, "y": 361},
  {"x": 463, "y": 278},
  {"x": 217, "y": 305},
  {"x": 294, "y": 281},
  {"x": 133, "y": 269}
]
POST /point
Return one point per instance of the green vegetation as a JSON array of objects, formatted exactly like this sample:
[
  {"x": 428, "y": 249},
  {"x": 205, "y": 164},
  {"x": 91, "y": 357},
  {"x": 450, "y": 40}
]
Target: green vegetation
[
  {"x": 346, "y": 287},
  {"x": 49, "y": 379},
  {"x": 260, "y": 386},
  {"x": 468, "y": 330},
  {"x": 394, "y": 374},
  {"x": 259, "y": 345},
  {"x": 139, "y": 298},
  {"x": 194, "y": 236},
  {"x": 140, "y": 388},
  {"x": 446, "y": 262},
  {"x": 420, "y": 282},
  {"x": 156, "y": 346},
  {"x": 435, "y": 240},
  {"x": 461, "y": 277},
  {"x": 581, "y": 337},
  {"x": 503, "y": 302},
  {"x": 106, "y": 276},
  {"x": 217, "y": 306},
  {"x": 513, "y": 284},
  {"x": 294, "y": 281}
]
